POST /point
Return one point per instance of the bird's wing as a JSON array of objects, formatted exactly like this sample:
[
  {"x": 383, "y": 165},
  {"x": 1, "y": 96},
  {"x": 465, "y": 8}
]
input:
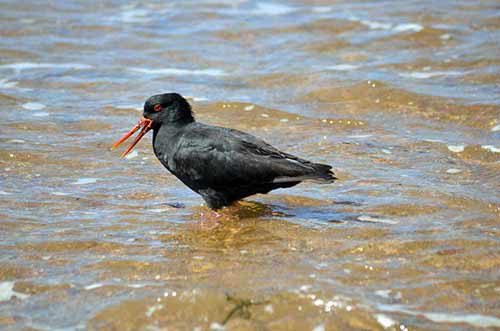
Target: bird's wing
[{"x": 221, "y": 157}]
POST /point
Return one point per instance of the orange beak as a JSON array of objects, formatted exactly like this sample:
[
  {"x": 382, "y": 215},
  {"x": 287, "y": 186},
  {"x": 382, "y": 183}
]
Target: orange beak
[{"x": 145, "y": 124}]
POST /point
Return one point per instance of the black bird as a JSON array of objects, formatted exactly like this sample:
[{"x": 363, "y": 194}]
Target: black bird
[{"x": 222, "y": 165}]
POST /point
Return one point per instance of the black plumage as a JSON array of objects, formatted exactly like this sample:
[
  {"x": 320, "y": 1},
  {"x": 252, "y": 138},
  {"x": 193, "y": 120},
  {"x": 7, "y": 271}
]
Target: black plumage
[{"x": 222, "y": 165}]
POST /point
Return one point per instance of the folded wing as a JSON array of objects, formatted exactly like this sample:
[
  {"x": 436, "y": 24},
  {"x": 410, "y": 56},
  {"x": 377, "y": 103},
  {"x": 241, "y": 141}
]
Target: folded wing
[{"x": 234, "y": 159}]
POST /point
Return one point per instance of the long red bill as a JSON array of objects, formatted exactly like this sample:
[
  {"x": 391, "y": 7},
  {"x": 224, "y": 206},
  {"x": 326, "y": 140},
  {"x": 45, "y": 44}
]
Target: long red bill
[{"x": 145, "y": 124}]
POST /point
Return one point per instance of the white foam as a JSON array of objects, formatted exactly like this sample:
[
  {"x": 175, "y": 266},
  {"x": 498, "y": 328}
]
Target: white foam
[
  {"x": 343, "y": 67},
  {"x": 136, "y": 285},
  {"x": 383, "y": 293},
  {"x": 453, "y": 171},
  {"x": 402, "y": 27},
  {"x": 4, "y": 193},
  {"x": 319, "y": 327},
  {"x": 305, "y": 288},
  {"x": 456, "y": 148},
  {"x": 131, "y": 155},
  {"x": 83, "y": 181},
  {"x": 180, "y": 72},
  {"x": 318, "y": 302},
  {"x": 135, "y": 15},
  {"x": 491, "y": 148},
  {"x": 59, "y": 193},
  {"x": 33, "y": 106},
  {"x": 216, "y": 326},
  {"x": 93, "y": 286},
  {"x": 408, "y": 27},
  {"x": 272, "y": 9},
  {"x": 495, "y": 128},
  {"x": 329, "y": 305},
  {"x": 385, "y": 320},
  {"x": 4, "y": 83},
  {"x": 31, "y": 65},
  {"x": 376, "y": 25},
  {"x": 7, "y": 292},
  {"x": 360, "y": 136},
  {"x": 322, "y": 9},
  {"x": 151, "y": 310},
  {"x": 366, "y": 218},
  {"x": 41, "y": 114},
  {"x": 434, "y": 140},
  {"x": 477, "y": 320},
  {"x": 429, "y": 74},
  {"x": 16, "y": 141},
  {"x": 158, "y": 210}
]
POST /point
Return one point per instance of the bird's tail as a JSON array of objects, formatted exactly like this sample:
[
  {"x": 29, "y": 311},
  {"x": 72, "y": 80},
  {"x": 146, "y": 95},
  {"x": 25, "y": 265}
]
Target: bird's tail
[
  {"x": 323, "y": 174},
  {"x": 320, "y": 173}
]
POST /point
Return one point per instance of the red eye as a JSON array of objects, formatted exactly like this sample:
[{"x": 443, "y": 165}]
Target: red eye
[{"x": 157, "y": 107}]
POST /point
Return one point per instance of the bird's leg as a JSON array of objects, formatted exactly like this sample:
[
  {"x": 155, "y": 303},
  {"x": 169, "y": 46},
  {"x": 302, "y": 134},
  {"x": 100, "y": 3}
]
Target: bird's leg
[{"x": 210, "y": 220}]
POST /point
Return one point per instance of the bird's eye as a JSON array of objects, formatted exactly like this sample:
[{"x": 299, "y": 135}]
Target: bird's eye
[{"x": 157, "y": 107}]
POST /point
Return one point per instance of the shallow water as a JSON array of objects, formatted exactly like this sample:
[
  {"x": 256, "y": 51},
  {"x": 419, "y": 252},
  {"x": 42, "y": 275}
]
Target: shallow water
[{"x": 402, "y": 98}]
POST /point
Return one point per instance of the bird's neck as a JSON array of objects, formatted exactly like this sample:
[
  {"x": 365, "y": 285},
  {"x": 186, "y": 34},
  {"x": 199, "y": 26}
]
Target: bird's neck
[
  {"x": 165, "y": 139},
  {"x": 168, "y": 130}
]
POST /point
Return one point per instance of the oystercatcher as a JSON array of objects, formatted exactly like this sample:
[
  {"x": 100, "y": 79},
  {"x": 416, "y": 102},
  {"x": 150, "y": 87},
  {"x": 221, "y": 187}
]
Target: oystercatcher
[{"x": 222, "y": 165}]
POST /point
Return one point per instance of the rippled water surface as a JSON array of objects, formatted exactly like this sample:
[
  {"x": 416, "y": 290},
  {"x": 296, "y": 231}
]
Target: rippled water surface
[{"x": 402, "y": 98}]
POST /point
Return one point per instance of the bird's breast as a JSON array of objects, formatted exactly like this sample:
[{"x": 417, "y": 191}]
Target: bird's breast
[
  {"x": 162, "y": 156},
  {"x": 163, "y": 144}
]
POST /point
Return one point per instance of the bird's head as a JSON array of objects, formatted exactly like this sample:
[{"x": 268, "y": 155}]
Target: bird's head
[
  {"x": 160, "y": 109},
  {"x": 168, "y": 108}
]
